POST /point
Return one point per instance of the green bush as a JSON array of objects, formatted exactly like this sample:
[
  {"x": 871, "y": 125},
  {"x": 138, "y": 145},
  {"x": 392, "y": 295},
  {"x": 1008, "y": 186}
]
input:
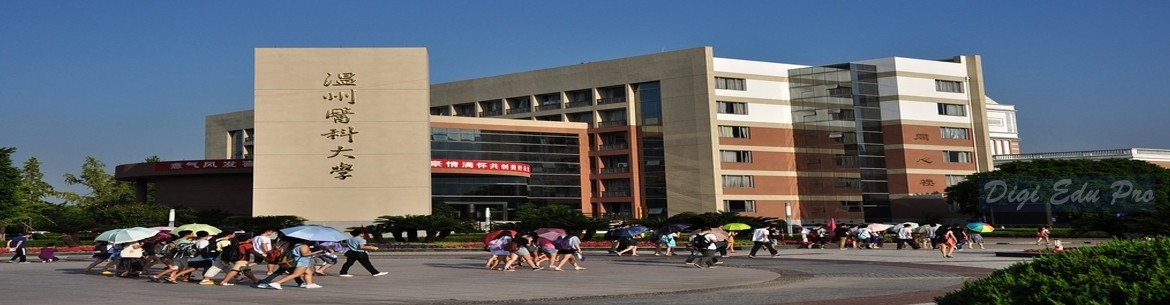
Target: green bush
[{"x": 1117, "y": 272}]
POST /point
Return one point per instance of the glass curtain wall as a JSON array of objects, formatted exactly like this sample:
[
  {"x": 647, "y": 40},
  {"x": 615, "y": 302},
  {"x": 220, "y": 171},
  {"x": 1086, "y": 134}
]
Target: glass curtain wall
[
  {"x": 554, "y": 160},
  {"x": 651, "y": 151},
  {"x": 837, "y": 120}
]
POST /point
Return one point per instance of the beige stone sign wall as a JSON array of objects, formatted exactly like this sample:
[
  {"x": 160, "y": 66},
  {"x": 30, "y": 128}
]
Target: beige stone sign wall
[{"x": 342, "y": 134}]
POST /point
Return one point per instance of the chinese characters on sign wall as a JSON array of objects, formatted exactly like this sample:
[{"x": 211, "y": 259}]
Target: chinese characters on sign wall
[
  {"x": 341, "y": 116},
  {"x": 202, "y": 164},
  {"x": 481, "y": 165}
]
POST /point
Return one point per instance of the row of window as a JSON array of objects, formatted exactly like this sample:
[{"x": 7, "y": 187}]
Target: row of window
[
  {"x": 728, "y": 83},
  {"x": 747, "y": 181}
]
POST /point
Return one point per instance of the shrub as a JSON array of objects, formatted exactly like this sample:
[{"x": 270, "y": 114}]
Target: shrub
[{"x": 1117, "y": 272}]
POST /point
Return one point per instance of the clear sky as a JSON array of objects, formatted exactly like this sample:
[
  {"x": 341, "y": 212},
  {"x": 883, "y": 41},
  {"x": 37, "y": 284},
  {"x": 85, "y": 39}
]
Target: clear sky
[{"x": 124, "y": 80}]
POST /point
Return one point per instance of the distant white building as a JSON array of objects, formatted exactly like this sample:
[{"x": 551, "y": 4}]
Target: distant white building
[{"x": 1161, "y": 157}]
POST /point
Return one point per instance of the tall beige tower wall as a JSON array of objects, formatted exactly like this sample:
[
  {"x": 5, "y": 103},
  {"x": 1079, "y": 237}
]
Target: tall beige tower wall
[{"x": 342, "y": 134}]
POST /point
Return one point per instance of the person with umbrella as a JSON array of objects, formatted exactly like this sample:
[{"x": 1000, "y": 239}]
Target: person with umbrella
[
  {"x": 628, "y": 239},
  {"x": 496, "y": 247},
  {"x": 302, "y": 262},
  {"x": 667, "y": 240},
  {"x": 521, "y": 252},
  {"x": 568, "y": 248},
  {"x": 131, "y": 262},
  {"x": 357, "y": 253}
]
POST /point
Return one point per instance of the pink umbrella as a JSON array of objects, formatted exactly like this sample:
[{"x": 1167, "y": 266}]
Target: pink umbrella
[{"x": 832, "y": 224}]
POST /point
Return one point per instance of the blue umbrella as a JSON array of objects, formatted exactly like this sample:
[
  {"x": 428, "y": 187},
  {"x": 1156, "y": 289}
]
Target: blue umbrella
[
  {"x": 671, "y": 228},
  {"x": 630, "y": 232},
  {"x": 314, "y": 233}
]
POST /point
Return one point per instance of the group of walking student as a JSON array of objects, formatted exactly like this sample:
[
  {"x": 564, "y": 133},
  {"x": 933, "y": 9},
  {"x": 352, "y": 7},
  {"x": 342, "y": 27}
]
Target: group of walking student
[
  {"x": 527, "y": 249},
  {"x": 238, "y": 254}
]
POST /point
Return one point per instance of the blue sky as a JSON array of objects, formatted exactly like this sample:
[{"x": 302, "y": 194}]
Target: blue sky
[{"x": 124, "y": 80}]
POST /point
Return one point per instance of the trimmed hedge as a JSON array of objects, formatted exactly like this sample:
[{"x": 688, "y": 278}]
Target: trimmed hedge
[{"x": 1117, "y": 272}]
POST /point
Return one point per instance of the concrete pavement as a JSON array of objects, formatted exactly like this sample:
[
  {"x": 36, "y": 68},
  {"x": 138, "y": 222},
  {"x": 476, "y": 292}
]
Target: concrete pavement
[{"x": 797, "y": 276}]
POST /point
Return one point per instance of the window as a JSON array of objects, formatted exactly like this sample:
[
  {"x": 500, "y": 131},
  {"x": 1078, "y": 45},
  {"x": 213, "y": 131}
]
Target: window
[
  {"x": 741, "y": 132},
  {"x": 952, "y": 109},
  {"x": 957, "y": 156},
  {"x": 731, "y": 107},
  {"x": 844, "y": 160},
  {"x": 738, "y": 181},
  {"x": 841, "y": 114},
  {"x": 730, "y": 83},
  {"x": 736, "y": 156},
  {"x": 948, "y": 86},
  {"x": 849, "y": 183},
  {"x": 955, "y": 179},
  {"x": 739, "y": 205},
  {"x": 953, "y": 133}
]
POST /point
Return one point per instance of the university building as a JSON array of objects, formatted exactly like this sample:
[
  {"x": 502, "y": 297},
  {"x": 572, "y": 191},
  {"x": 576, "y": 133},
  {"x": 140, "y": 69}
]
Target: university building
[{"x": 646, "y": 136}]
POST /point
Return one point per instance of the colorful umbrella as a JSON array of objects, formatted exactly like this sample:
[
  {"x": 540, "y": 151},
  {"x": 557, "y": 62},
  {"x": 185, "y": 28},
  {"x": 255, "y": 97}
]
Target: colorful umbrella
[
  {"x": 980, "y": 227},
  {"x": 196, "y": 227},
  {"x": 735, "y": 226},
  {"x": 550, "y": 233},
  {"x": 832, "y": 224},
  {"x": 495, "y": 234},
  {"x": 314, "y": 233}
]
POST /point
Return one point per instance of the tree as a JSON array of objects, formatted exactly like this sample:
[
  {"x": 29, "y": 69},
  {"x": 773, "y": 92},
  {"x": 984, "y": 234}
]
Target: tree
[
  {"x": 1116, "y": 220},
  {"x": 10, "y": 199},
  {"x": 532, "y": 217},
  {"x": 105, "y": 191}
]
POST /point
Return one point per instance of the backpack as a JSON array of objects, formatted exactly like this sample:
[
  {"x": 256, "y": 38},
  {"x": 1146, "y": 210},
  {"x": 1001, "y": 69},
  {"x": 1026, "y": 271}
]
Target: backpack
[
  {"x": 512, "y": 246},
  {"x": 232, "y": 253},
  {"x": 211, "y": 250},
  {"x": 100, "y": 248},
  {"x": 701, "y": 242},
  {"x": 274, "y": 255},
  {"x": 863, "y": 234},
  {"x": 288, "y": 259},
  {"x": 562, "y": 243},
  {"x": 186, "y": 250},
  {"x": 169, "y": 250}
]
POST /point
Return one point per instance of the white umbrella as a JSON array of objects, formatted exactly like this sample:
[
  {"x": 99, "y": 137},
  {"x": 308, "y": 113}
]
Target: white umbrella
[
  {"x": 913, "y": 225},
  {"x": 878, "y": 227},
  {"x": 132, "y": 235},
  {"x": 105, "y": 236}
]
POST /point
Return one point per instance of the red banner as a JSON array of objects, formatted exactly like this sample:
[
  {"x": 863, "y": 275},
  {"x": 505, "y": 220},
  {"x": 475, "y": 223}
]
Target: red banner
[
  {"x": 481, "y": 165},
  {"x": 202, "y": 164}
]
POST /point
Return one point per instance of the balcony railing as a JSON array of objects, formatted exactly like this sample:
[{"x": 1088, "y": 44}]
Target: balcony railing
[
  {"x": 490, "y": 113},
  {"x": 519, "y": 110},
  {"x": 614, "y": 170},
  {"x": 611, "y": 100},
  {"x": 614, "y": 216},
  {"x": 611, "y": 123},
  {"x": 618, "y": 193},
  {"x": 579, "y": 104},
  {"x": 549, "y": 107},
  {"x": 1106, "y": 153},
  {"x": 613, "y": 146}
]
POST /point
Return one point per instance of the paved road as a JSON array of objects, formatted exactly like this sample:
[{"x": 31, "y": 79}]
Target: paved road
[{"x": 797, "y": 276}]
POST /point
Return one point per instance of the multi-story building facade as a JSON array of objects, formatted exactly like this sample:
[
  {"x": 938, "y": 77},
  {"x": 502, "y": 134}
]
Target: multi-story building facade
[
  {"x": 644, "y": 136},
  {"x": 872, "y": 140}
]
